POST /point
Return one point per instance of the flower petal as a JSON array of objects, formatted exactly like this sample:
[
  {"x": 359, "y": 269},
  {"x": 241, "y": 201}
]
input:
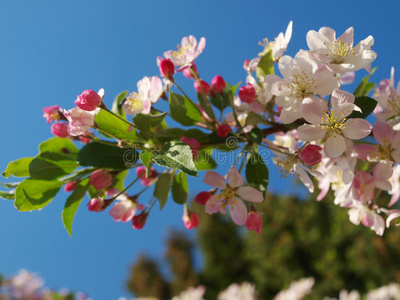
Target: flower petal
[
  {"x": 238, "y": 212},
  {"x": 382, "y": 132},
  {"x": 335, "y": 146},
  {"x": 234, "y": 177},
  {"x": 250, "y": 194},
  {"x": 357, "y": 128},
  {"x": 313, "y": 110},
  {"x": 214, "y": 179},
  {"x": 309, "y": 133},
  {"x": 213, "y": 205}
]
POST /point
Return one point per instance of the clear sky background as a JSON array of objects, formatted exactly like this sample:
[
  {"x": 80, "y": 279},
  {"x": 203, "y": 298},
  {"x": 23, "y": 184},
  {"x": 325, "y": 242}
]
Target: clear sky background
[{"x": 53, "y": 50}]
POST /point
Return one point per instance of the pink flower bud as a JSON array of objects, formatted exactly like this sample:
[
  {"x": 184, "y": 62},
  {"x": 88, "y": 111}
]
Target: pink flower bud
[
  {"x": 223, "y": 130},
  {"x": 167, "y": 68},
  {"x": 190, "y": 219},
  {"x": 202, "y": 197},
  {"x": 70, "y": 186},
  {"x": 254, "y": 221},
  {"x": 193, "y": 144},
  {"x": 52, "y": 113},
  {"x": 139, "y": 220},
  {"x": 95, "y": 204},
  {"x": 311, "y": 155},
  {"x": 101, "y": 179},
  {"x": 89, "y": 100},
  {"x": 146, "y": 181},
  {"x": 188, "y": 71},
  {"x": 247, "y": 93},
  {"x": 202, "y": 87},
  {"x": 79, "y": 120},
  {"x": 60, "y": 129},
  {"x": 218, "y": 84}
]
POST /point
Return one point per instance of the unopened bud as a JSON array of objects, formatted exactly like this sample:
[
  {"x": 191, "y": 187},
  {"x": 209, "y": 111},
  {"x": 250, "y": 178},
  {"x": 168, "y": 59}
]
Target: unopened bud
[
  {"x": 188, "y": 71},
  {"x": 247, "y": 93},
  {"x": 70, "y": 186},
  {"x": 202, "y": 87},
  {"x": 101, "y": 179},
  {"x": 218, "y": 84},
  {"x": 311, "y": 155},
  {"x": 60, "y": 129},
  {"x": 202, "y": 197},
  {"x": 89, "y": 100},
  {"x": 254, "y": 221},
  {"x": 190, "y": 219},
  {"x": 52, "y": 113},
  {"x": 139, "y": 220},
  {"x": 167, "y": 68},
  {"x": 223, "y": 130},
  {"x": 95, "y": 204}
]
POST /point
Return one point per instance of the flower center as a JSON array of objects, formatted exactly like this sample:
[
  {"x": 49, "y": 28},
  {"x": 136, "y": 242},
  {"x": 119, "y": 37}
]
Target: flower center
[
  {"x": 181, "y": 51},
  {"x": 135, "y": 102},
  {"x": 333, "y": 125},
  {"x": 383, "y": 151},
  {"x": 287, "y": 164},
  {"x": 340, "y": 50},
  {"x": 394, "y": 104},
  {"x": 302, "y": 86},
  {"x": 267, "y": 46}
]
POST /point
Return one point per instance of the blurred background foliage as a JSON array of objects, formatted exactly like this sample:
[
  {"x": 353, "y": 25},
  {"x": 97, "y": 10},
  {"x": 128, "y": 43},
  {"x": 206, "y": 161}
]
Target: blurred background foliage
[{"x": 298, "y": 239}]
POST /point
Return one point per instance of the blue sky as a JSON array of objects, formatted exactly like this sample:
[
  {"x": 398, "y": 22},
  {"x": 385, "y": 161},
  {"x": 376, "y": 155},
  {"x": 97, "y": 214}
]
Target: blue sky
[{"x": 53, "y": 50}]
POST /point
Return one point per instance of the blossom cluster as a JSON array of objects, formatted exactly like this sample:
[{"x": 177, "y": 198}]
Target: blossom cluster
[{"x": 321, "y": 133}]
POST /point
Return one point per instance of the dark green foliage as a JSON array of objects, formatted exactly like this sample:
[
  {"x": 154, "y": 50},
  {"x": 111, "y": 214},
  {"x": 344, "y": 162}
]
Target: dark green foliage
[{"x": 298, "y": 239}]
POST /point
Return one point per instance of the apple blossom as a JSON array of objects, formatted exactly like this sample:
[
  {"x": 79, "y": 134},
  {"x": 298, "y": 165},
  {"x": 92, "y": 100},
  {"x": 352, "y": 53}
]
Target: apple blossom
[
  {"x": 167, "y": 68},
  {"x": 202, "y": 197},
  {"x": 279, "y": 46},
  {"x": 190, "y": 219},
  {"x": 339, "y": 53},
  {"x": 202, "y": 87},
  {"x": 218, "y": 84},
  {"x": 231, "y": 194},
  {"x": 138, "y": 221},
  {"x": 311, "y": 155},
  {"x": 96, "y": 204},
  {"x": 302, "y": 78},
  {"x": 187, "y": 52},
  {"x": 332, "y": 125},
  {"x": 149, "y": 91},
  {"x": 80, "y": 120},
  {"x": 247, "y": 93},
  {"x": 360, "y": 213},
  {"x": 52, "y": 113},
  {"x": 223, "y": 130},
  {"x": 126, "y": 206},
  {"x": 146, "y": 180},
  {"x": 254, "y": 221},
  {"x": 70, "y": 186},
  {"x": 191, "y": 71}
]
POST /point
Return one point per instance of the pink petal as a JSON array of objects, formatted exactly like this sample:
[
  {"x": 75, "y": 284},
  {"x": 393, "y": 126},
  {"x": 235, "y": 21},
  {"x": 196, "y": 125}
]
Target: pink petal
[
  {"x": 335, "y": 146},
  {"x": 250, "y": 194},
  {"x": 214, "y": 204},
  {"x": 238, "y": 212},
  {"x": 357, "y": 128},
  {"x": 393, "y": 215},
  {"x": 310, "y": 132},
  {"x": 313, "y": 110},
  {"x": 234, "y": 178},
  {"x": 382, "y": 132},
  {"x": 305, "y": 179},
  {"x": 214, "y": 179}
]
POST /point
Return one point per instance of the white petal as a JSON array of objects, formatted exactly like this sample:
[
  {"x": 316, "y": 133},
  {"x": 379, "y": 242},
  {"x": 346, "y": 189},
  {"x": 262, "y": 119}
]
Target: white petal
[
  {"x": 305, "y": 178},
  {"x": 238, "y": 212},
  {"x": 250, "y": 194},
  {"x": 310, "y": 133},
  {"x": 357, "y": 128},
  {"x": 213, "y": 205},
  {"x": 313, "y": 110},
  {"x": 335, "y": 146},
  {"x": 234, "y": 178},
  {"x": 214, "y": 179}
]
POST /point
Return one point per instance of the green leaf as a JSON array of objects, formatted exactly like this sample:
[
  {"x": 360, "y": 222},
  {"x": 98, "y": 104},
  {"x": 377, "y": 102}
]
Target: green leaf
[
  {"x": 254, "y": 119},
  {"x": 50, "y": 166},
  {"x": 256, "y": 135},
  {"x": 106, "y": 156},
  {"x": 162, "y": 187},
  {"x": 10, "y": 185},
  {"x": 367, "y": 106},
  {"x": 183, "y": 110},
  {"x": 119, "y": 180},
  {"x": 176, "y": 155},
  {"x": 205, "y": 104},
  {"x": 72, "y": 204},
  {"x": 365, "y": 87},
  {"x": 266, "y": 65},
  {"x": 9, "y": 195},
  {"x": 257, "y": 174},
  {"x": 231, "y": 92},
  {"x": 165, "y": 135},
  {"x": 146, "y": 158},
  {"x": 18, "y": 168},
  {"x": 116, "y": 107},
  {"x": 148, "y": 122},
  {"x": 180, "y": 188},
  {"x": 204, "y": 161},
  {"x": 220, "y": 102},
  {"x": 114, "y": 126},
  {"x": 58, "y": 145},
  {"x": 33, "y": 194}
]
